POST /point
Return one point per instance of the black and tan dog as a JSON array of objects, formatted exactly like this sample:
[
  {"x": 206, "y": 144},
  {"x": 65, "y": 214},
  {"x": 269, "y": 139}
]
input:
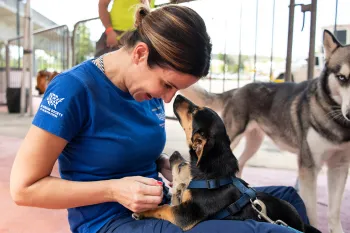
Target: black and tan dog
[
  {"x": 310, "y": 119},
  {"x": 211, "y": 159}
]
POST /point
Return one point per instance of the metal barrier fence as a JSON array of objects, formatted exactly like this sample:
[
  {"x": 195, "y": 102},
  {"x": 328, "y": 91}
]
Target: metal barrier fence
[
  {"x": 248, "y": 44},
  {"x": 2, "y": 55},
  {"x": 51, "y": 49},
  {"x": 83, "y": 46},
  {"x": 50, "y": 52},
  {"x": 228, "y": 69},
  {"x": 2, "y": 73}
]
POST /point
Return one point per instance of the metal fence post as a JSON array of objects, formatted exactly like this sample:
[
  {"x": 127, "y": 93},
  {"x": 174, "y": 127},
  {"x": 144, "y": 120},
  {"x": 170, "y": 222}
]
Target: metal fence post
[
  {"x": 311, "y": 62},
  {"x": 287, "y": 76},
  {"x": 7, "y": 65}
]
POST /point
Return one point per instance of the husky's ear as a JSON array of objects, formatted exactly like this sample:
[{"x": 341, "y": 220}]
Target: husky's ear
[{"x": 330, "y": 44}]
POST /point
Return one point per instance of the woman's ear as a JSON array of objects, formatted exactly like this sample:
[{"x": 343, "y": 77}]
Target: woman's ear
[{"x": 140, "y": 53}]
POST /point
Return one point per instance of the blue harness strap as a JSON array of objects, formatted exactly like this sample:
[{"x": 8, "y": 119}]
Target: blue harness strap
[
  {"x": 247, "y": 194},
  {"x": 209, "y": 184}
]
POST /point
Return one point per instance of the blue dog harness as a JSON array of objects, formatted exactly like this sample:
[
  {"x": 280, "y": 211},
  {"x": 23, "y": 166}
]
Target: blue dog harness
[{"x": 248, "y": 196}]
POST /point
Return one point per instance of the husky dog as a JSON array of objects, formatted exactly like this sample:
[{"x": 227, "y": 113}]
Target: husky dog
[{"x": 310, "y": 119}]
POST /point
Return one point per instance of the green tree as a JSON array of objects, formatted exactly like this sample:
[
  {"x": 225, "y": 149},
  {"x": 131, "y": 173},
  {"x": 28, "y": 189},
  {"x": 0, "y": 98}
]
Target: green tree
[
  {"x": 2, "y": 55},
  {"x": 84, "y": 48},
  {"x": 237, "y": 67},
  {"x": 229, "y": 62}
]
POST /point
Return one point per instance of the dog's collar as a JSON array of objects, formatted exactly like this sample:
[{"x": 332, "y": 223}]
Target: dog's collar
[
  {"x": 210, "y": 184},
  {"x": 248, "y": 194}
]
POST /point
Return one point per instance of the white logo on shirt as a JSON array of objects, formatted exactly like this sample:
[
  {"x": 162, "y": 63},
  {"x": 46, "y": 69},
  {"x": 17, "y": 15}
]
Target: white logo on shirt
[
  {"x": 160, "y": 115},
  {"x": 157, "y": 108},
  {"x": 50, "y": 111},
  {"x": 54, "y": 100}
]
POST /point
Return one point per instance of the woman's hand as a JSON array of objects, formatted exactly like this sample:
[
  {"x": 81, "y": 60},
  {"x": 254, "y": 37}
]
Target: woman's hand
[
  {"x": 137, "y": 193},
  {"x": 164, "y": 168}
]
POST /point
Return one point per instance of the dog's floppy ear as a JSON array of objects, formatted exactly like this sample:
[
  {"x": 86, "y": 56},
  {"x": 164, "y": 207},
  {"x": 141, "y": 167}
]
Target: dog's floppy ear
[
  {"x": 330, "y": 44},
  {"x": 198, "y": 143}
]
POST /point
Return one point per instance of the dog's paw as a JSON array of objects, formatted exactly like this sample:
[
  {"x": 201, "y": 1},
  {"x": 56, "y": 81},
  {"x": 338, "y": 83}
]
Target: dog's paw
[{"x": 137, "y": 216}]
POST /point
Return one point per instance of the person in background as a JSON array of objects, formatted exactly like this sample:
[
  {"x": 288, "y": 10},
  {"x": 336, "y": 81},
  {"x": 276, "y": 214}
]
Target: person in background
[{"x": 116, "y": 22}]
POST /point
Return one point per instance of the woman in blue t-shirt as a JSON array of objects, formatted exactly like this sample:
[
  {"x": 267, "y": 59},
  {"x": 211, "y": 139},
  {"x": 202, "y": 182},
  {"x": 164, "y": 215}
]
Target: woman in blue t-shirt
[{"x": 103, "y": 120}]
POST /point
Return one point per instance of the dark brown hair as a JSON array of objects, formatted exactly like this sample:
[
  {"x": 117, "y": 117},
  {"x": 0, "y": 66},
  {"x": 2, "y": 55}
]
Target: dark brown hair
[{"x": 176, "y": 37}]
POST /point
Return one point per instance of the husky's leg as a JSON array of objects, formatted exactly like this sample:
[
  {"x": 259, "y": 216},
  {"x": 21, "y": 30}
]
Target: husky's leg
[
  {"x": 308, "y": 186},
  {"x": 235, "y": 137},
  {"x": 238, "y": 126},
  {"x": 254, "y": 138},
  {"x": 338, "y": 168},
  {"x": 313, "y": 151},
  {"x": 235, "y": 141},
  {"x": 297, "y": 186}
]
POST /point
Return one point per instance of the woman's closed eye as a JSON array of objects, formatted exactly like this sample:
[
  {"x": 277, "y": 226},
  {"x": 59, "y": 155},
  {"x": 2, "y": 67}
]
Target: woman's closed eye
[{"x": 168, "y": 86}]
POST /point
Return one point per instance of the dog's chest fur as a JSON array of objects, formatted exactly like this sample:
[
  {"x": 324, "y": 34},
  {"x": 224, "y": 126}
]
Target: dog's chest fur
[{"x": 321, "y": 148}]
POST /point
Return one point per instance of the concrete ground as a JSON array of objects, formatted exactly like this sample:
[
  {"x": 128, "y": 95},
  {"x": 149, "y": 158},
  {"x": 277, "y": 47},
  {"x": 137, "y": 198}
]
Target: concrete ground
[{"x": 269, "y": 167}]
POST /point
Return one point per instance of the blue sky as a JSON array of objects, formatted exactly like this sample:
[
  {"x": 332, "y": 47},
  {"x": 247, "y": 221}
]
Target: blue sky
[{"x": 223, "y": 22}]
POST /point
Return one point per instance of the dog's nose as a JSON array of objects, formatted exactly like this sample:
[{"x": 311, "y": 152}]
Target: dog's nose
[
  {"x": 178, "y": 100},
  {"x": 176, "y": 156},
  {"x": 347, "y": 116}
]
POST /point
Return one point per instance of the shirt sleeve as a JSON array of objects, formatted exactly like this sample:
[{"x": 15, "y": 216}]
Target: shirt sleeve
[{"x": 64, "y": 107}]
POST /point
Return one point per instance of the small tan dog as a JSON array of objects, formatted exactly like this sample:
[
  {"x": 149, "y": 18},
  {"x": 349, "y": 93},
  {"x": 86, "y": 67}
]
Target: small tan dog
[
  {"x": 180, "y": 169},
  {"x": 43, "y": 79}
]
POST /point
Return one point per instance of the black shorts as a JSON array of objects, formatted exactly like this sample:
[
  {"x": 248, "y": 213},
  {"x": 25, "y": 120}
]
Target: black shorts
[{"x": 101, "y": 46}]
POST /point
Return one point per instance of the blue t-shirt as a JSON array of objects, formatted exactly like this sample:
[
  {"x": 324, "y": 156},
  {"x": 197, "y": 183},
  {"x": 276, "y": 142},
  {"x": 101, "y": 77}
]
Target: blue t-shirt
[{"x": 110, "y": 135}]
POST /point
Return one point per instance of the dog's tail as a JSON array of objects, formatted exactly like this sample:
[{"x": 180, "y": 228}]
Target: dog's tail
[
  {"x": 310, "y": 229},
  {"x": 202, "y": 97}
]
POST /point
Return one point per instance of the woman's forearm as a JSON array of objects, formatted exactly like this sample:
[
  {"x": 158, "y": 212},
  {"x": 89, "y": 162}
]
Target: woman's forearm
[{"x": 55, "y": 193}]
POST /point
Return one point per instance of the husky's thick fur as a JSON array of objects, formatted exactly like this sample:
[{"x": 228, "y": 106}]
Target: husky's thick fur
[{"x": 310, "y": 119}]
